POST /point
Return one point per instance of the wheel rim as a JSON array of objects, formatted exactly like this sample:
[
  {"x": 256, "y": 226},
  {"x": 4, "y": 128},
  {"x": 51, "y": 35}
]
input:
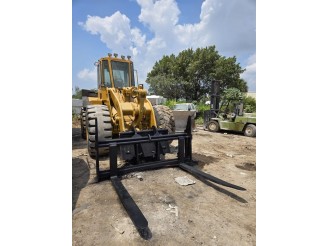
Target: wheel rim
[
  {"x": 212, "y": 126},
  {"x": 248, "y": 131}
]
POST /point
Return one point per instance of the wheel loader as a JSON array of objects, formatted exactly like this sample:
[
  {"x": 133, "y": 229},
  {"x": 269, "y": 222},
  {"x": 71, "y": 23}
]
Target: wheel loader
[
  {"x": 119, "y": 122},
  {"x": 119, "y": 105}
]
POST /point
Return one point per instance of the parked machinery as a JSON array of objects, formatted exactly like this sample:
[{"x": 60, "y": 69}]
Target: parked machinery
[
  {"x": 228, "y": 115},
  {"x": 118, "y": 121}
]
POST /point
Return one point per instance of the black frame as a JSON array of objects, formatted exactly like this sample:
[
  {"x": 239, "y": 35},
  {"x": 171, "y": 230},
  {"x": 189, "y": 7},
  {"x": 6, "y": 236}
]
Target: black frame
[{"x": 158, "y": 138}]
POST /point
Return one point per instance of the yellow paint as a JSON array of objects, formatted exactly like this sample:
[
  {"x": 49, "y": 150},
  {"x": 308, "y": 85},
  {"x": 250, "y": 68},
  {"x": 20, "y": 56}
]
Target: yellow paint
[{"x": 128, "y": 106}]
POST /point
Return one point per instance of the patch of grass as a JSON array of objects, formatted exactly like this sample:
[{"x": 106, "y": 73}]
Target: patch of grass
[
  {"x": 170, "y": 103},
  {"x": 201, "y": 107},
  {"x": 199, "y": 121}
]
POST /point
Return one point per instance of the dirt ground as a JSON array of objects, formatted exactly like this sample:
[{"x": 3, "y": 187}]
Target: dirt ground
[{"x": 197, "y": 214}]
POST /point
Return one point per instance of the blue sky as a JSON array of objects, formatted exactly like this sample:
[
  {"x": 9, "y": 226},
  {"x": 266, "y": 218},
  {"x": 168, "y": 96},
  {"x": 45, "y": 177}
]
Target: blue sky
[{"x": 149, "y": 29}]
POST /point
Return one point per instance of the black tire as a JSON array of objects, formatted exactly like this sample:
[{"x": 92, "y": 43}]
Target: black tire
[
  {"x": 164, "y": 118},
  {"x": 100, "y": 112},
  {"x": 250, "y": 130},
  {"x": 83, "y": 124},
  {"x": 213, "y": 126}
]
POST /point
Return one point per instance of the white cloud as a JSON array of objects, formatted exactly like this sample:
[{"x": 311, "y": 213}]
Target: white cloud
[
  {"x": 230, "y": 25},
  {"x": 87, "y": 74},
  {"x": 115, "y": 31},
  {"x": 160, "y": 15},
  {"x": 250, "y": 74}
]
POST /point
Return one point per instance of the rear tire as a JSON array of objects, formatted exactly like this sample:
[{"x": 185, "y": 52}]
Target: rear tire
[
  {"x": 101, "y": 113},
  {"x": 164, "y": 118},
  {"x": 83, "y": 124},
  {"x": 213, "y": 126},
  {"x": 250, "y": 130}
]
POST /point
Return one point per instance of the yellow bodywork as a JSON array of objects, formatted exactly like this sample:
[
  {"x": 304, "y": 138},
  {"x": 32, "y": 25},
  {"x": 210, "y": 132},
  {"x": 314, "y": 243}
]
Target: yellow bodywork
[{"x": 128, "y": 106}]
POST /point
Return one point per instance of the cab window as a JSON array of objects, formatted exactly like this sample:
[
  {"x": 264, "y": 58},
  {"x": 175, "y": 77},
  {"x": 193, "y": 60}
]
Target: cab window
[
  {"x": 132, "y": 75},
  {"x": 106, "y": 77},
  {"x": 98, "y": 76},
  {"x": 120, "y": 74}
]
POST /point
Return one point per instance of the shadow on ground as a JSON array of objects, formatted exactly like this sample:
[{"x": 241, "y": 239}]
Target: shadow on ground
[
  {"x": 80, "y": 178},
  {"x": 77, "y": 141}
]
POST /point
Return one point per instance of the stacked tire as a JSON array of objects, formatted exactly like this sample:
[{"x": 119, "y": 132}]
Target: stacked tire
[{"x": 164, "y": 118}]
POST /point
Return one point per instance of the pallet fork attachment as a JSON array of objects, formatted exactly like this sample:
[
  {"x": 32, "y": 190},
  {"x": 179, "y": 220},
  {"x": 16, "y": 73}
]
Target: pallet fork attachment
[{"x": 150, "y": 144}]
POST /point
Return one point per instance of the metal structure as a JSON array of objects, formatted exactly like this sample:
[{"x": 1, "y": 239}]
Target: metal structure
[
  {"x": 181, "y": 112},
  {"x": 219, "y": 117},
  {"x": 118, "y": 121},
  {"x": 119, "y": 104},
  {"x": 153, "y": 144}
]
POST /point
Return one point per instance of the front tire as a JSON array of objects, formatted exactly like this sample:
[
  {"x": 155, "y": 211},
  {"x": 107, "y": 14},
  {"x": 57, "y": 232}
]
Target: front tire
[
  {"x": 101, "y": 113},
  {"x": 213, "y": 126},
  {"x": 250, "y": 130}
]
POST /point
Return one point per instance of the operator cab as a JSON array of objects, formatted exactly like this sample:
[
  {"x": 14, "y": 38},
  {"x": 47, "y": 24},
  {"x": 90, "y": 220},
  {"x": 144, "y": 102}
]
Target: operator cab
[
  {"x": 121, "y": 72},
  {"x": 230, "y": 109},
  {"x": 115, "y": 72}
]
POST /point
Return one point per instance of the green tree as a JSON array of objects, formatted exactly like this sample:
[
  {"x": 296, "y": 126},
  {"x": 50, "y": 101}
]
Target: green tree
[
  {"x": 191, "y": 72},
  {"x": 201, "y": 71},
  {"x": 228, "y": 71},
  {"x": 163, "y": 67},
  {"x": 181, "y": 73},
  {"x": 232, "y": 94},
  {"x": 77, "y": 93},
  {"x": 250, "y": 104},
  {"x": 165, "y": 86}
]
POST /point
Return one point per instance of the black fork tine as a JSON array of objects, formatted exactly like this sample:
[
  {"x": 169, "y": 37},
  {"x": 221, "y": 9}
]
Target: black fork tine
[
  {"x": 197, "y": 172},
  {"x": 132, "y": 209}
]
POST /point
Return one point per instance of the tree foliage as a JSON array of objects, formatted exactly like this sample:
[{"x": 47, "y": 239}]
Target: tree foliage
[
  {"x": 78, "y": 93},
  {"x": 250, "y": 104},
  {"x": 232, "y": 94},
  {"x": 189, "y": 74}
]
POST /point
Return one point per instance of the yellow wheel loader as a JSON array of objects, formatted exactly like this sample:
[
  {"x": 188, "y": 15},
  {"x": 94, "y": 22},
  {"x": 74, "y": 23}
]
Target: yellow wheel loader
[
  {"x": 119, "y": 121},
  {"x": 120, "y": 105}
]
